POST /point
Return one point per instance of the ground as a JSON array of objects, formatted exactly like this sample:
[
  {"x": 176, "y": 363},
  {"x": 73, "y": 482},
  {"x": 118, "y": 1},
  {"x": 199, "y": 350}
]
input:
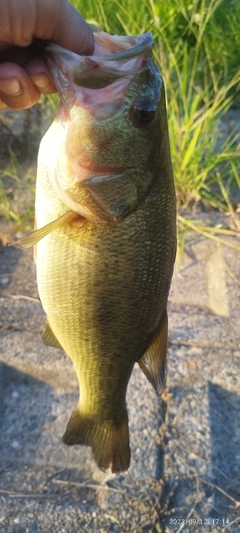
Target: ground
[{"x": 185, "y": 466}]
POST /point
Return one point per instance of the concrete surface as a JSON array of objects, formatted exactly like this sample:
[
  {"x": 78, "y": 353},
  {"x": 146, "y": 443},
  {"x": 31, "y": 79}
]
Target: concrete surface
[{"x": 185, "y": 467}]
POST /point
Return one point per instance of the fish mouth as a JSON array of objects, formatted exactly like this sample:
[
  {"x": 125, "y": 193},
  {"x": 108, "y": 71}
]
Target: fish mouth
[
  {"x": 86, "y": 169},
  {"x": 115, "y": 63},
  {"x": 127, "y": 56},
  {"x": 86, "y": 166}
]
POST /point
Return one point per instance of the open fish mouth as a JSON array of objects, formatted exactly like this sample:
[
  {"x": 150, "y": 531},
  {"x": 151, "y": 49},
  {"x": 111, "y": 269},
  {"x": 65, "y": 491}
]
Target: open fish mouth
[
  {"x": 127, "y": 56},
  {"x": 114, "y": 64}
]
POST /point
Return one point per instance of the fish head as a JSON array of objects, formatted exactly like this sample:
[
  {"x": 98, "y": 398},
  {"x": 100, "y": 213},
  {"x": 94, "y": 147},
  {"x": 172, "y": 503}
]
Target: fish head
[{"x": 111, "y": 123}]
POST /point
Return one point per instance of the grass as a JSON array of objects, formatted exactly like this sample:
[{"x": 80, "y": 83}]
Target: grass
[
  {"x": 197, "y": 47},
  {"x": 18, "y": 154},
  {"x": 17, "y": 192}
]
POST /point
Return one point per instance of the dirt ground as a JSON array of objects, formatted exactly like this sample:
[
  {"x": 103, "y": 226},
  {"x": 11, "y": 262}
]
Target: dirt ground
[{"x": 185, "y": 467}]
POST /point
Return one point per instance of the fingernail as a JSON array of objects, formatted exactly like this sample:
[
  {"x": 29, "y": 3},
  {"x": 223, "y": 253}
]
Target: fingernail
[
  {"x": 41, "y": 81},
  {"x": 10, "y": 86}
]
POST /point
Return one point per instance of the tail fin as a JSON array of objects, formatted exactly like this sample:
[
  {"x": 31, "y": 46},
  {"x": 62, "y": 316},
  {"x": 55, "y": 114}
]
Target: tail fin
[{"x": 109, "y": 441}]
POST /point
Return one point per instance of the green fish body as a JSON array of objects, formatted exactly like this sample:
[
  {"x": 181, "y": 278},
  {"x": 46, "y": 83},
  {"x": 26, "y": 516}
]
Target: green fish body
[{"x": 105, "y": 262}]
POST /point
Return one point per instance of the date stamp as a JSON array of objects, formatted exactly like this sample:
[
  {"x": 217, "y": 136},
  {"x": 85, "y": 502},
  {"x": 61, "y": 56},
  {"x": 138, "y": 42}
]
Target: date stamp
[{"x": 173, "y": 522}]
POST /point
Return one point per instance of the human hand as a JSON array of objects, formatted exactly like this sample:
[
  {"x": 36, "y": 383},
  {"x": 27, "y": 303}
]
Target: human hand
[{"x": 20, "y": 22}]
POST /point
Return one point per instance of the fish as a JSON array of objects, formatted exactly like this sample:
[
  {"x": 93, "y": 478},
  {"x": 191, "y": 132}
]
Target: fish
[{"x": 105, "y": 237}]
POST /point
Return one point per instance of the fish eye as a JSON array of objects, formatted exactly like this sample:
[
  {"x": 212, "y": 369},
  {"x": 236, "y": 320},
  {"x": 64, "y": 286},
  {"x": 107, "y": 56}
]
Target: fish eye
[{"x": 143, "y": 113}]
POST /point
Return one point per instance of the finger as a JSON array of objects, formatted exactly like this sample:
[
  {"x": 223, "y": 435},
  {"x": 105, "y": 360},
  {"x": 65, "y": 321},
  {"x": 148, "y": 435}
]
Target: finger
[
  {"x": 80, "y": 38},
  {"x": 2, "y": 105},
  {"x": 55, "y": 20},
  {"x": 16, "y": 88},
  {"x": 40, "y": 77}
]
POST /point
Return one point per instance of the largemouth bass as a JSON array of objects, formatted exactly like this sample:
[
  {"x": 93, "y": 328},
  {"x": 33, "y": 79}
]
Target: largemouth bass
[{"x": 105, "y": 218}]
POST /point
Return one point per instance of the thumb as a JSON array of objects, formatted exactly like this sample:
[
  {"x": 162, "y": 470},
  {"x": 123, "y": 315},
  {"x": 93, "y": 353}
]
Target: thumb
[{"x": 73, "y": 32}]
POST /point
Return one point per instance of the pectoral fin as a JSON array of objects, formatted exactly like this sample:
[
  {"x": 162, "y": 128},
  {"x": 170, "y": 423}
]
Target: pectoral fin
[
  {"x": 152, "y": 363},
  {"x": 38, "y": 234},
  {"x": 49, "y": 338}
]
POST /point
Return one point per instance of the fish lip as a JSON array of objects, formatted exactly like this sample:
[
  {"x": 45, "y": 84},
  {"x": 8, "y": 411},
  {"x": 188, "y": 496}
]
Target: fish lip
[
  {"x": 145, "y": 42},
  {"x": 94, "y": 167},
  {"x": 87, "y": 169}
]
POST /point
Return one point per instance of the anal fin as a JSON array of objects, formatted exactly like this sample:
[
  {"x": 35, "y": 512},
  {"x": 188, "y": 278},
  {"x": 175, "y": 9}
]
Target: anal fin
[
  {"x": 152, "y": 363},
  {"x": 49, "y": 338}
]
